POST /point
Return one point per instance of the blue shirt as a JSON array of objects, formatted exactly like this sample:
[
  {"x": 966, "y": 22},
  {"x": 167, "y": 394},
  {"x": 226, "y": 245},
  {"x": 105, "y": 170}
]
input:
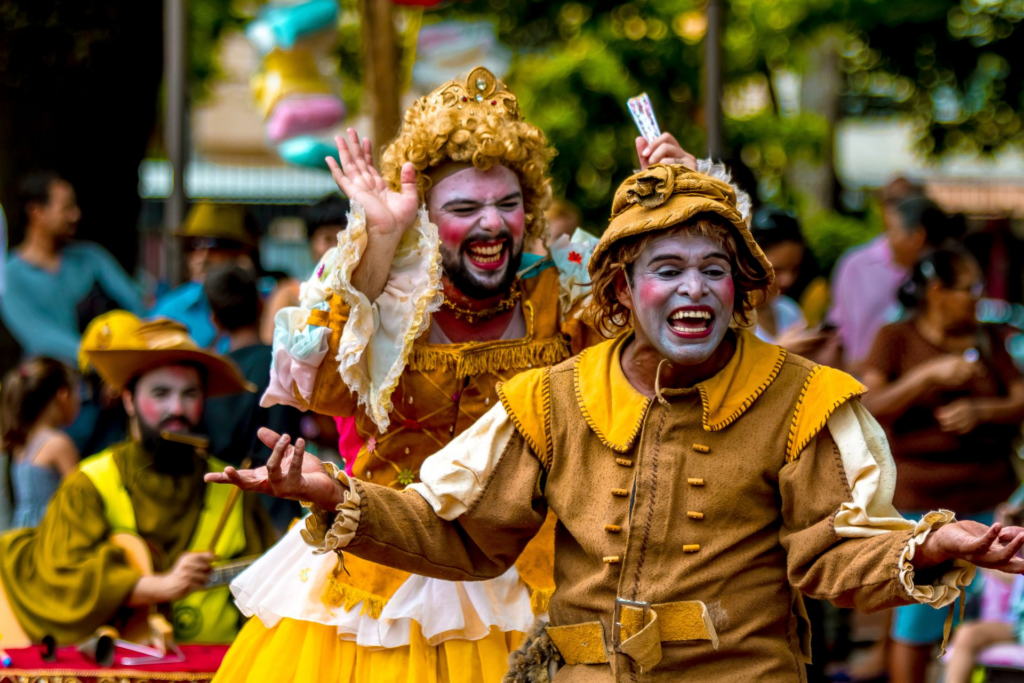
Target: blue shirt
[
  {"x": 39, "y": 305},
  {"x": 188, "y": 305}
]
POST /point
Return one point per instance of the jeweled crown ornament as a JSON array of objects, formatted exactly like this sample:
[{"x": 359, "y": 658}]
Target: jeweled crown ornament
[{"x": 480, "y": 94}]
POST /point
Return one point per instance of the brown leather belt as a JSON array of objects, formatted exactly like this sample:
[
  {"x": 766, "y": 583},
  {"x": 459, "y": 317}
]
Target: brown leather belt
[{"x": 640, "y": 629}]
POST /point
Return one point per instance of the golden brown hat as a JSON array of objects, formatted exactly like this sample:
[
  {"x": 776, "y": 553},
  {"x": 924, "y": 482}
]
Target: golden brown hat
[
  {"x": 475, "y": 121},
  {"x": 217, "y": 221},
  {"x": 665, "y": 195},
  {"x": 121, "y": 347}
]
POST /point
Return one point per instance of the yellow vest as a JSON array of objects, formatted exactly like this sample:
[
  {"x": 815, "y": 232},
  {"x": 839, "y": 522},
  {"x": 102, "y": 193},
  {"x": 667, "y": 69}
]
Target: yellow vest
[{"x": 205, "y": 616}]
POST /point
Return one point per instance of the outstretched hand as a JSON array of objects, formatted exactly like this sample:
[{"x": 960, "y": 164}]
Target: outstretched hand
[
  {"x": 664, "y": 149},
  {"x": 289, "y": 473},
  {"x": 993, "y": 547},
  {"x": 387, "y": 212}
]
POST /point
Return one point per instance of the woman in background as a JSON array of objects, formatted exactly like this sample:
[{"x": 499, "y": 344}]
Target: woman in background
[
  {"x": 780, "y": 319},
  {"x": 37, "y": 399},
  {"x": 951, "y": 399}
]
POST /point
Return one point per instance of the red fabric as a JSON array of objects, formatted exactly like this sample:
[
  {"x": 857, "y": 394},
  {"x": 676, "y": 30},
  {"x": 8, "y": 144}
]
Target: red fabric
[
  {"x": 349, "y": 442},
  {"x": 198, "y": 658}
]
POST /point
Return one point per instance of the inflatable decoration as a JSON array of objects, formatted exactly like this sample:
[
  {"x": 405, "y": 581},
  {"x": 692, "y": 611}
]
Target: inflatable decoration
[
  {"x": 281, "y": 25},
  {"x": 451, "y": 47},
  {"x": 299, "y": 101}
]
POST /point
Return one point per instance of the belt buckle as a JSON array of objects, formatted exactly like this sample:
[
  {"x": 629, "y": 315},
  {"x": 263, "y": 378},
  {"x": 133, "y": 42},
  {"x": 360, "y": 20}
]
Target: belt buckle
[{"x": 617, "y": 628}]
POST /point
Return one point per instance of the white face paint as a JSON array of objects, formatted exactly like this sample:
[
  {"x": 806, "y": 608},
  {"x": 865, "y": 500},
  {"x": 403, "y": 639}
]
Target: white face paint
[
  {"x": 683, "y": 296},
  {"x": 481, "y": 221}
]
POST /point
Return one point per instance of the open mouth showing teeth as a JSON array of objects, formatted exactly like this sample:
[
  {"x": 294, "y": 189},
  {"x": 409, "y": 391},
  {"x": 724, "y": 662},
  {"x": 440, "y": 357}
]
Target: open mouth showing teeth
[
  {"x": 485, "y": 253},
  {"x": 692, "y": 320}
]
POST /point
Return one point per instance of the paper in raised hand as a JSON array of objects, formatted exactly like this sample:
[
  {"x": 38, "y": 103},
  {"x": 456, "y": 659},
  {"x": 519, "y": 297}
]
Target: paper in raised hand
[{"x": 643, "y": 114}]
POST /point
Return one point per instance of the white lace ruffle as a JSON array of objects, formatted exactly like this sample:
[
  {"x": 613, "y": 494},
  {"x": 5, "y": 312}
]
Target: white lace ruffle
[
  {"x": 378, "y": 337},
  {"x": 289, "y": 580}
]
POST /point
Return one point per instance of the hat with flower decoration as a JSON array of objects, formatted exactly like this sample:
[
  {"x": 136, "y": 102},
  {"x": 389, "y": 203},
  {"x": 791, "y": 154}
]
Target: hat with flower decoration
[{"x": 665, "y": 195}]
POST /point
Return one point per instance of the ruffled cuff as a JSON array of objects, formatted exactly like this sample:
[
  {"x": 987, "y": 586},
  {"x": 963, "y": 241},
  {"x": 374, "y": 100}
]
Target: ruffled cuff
[
  {"x": 378, "y": 337},
  {"x": 946, "y": 588},
  {"x": 332, "y": 535}
]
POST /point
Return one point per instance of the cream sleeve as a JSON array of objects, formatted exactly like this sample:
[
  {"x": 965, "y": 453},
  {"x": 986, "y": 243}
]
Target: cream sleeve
[{"x": 871, "y": 477}]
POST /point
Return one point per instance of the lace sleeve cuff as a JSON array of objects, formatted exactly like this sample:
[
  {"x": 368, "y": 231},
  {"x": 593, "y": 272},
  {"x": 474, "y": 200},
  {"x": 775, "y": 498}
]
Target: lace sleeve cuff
[
  {"x": 947, "y": 588},
  {"x": 378, "y": 337},
  {"x": 322, "y": 532}
]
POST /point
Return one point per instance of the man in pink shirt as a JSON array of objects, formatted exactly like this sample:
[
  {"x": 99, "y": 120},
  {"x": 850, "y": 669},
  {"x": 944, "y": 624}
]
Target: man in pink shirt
[{"x": 868, "y": 277}]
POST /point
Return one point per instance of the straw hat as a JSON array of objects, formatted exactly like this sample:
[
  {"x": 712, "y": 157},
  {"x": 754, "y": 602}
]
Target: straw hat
[
  {"x": 121, "y": 347},
  {"x": 217, "y": 221},
  {"x": 665, "y": 195}
]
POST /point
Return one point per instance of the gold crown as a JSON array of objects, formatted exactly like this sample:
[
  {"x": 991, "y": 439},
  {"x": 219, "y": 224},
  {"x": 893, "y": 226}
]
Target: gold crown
[{"x": 480, "y": 94}]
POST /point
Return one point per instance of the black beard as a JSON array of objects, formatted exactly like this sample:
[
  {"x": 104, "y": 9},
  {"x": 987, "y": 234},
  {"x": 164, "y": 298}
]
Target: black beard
[
  {"x": 169, "y": 457},
  {"x": 467, "y": 283}
]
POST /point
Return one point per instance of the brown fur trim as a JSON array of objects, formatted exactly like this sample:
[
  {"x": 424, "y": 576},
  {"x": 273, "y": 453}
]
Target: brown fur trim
[{"x": 536, "y": 660}]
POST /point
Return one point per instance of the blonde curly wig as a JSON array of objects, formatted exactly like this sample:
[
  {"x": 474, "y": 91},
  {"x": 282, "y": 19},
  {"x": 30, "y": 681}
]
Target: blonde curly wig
[{"x": 475, "y": 121}]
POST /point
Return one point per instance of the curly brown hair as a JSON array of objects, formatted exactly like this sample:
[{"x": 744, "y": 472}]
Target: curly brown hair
[
  {"x": 610, "y": 317},
  {"x": 430, "y": 137}
]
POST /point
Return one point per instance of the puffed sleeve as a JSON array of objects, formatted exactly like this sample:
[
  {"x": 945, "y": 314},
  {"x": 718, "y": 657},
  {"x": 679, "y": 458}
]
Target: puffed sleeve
[{"x": 338, "y": 331}]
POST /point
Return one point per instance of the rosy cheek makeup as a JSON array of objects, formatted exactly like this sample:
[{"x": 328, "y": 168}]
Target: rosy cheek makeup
[{"x": 150, "y": 409}]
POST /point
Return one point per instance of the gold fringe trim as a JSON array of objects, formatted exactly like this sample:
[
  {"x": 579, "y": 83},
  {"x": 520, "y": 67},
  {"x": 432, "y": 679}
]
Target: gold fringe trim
[
  {"x": 540, "y": 600},
  {"x": 346, "y": 596},
  {"x": 468, "y": 361}
]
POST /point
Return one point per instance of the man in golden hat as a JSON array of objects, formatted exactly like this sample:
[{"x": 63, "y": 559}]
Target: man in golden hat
[
  {"x": 703, "y": 480},
  {"x": 71, "y": 575},
  {"x": 213, "y": 235},
  {"x": 427, "y": 303}
]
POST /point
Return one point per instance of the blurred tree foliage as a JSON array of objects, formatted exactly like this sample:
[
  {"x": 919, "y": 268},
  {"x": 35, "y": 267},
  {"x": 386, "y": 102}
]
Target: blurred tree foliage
[{"x": 946, "y": 64}]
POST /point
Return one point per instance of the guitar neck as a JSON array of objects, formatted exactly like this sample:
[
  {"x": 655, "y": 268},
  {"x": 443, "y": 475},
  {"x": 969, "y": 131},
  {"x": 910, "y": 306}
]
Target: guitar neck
[{"x": 225, "y": 573}]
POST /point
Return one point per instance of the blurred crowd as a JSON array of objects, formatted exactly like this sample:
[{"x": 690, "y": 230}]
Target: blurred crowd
[{"x": 899, "y": 312}]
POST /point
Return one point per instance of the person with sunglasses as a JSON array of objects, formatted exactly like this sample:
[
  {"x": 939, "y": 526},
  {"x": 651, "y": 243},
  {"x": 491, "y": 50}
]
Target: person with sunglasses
[{"x": 951, "y": 399}]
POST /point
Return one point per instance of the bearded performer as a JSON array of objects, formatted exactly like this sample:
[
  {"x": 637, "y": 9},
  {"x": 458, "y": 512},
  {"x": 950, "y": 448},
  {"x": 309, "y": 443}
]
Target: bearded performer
[
  {"x": 74, "y": 573},
  {"x": 703, "y": 480},
  {"x": 427, "y": 303}
]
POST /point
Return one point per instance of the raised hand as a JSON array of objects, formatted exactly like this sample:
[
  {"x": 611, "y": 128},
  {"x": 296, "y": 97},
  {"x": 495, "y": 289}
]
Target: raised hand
[
  {"x": 991, "y": 547},
  {"x": 290, "y": 473},
  {"x": 387, "y": 212},
  {"x": 664, "y": 149}
]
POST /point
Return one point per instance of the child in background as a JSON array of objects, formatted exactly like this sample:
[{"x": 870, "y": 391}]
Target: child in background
[
  {"x": 37, "y": 399},
  {"x": 1002, "y": 612}
]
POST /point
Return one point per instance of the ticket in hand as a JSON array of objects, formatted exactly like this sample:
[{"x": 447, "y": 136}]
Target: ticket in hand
[{"x": 643, "y": 113}]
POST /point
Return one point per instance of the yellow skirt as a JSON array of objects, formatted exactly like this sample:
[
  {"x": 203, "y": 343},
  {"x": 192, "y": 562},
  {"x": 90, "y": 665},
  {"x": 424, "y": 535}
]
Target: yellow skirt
[{"x": 303, "y": 651}]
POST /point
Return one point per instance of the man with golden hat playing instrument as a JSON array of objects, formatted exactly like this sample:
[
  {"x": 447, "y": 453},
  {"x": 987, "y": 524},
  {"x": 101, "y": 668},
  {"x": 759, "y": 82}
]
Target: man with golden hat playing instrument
[
  {"x": 425, "y": 306},
  {"x": 83, "y": 566},
  {"x": 703, "y": 480}
]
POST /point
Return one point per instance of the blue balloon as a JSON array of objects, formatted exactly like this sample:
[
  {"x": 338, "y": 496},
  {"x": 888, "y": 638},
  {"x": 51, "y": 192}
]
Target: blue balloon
[
  {"x": 307, "y": 150},
  {"x": 282, "y": 25}
]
